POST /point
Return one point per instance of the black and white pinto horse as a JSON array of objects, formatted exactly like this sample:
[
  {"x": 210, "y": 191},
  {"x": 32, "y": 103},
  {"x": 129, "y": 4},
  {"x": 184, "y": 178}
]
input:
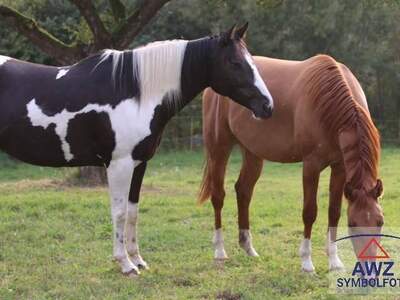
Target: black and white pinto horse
[{"x": 110, "y": 110}]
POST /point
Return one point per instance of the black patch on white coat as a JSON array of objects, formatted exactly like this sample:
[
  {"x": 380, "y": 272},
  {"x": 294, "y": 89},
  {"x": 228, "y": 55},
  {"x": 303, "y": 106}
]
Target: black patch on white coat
[
  {"x": 34, "y": 145},
  {"x": 136, "y": 183},
  {"x": 87, "y": 82},
  {"x": 92, "y": 138}
]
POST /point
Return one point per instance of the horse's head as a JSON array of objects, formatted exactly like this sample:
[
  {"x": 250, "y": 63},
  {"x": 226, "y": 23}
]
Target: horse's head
[
  {"x": 234, "y": 74},
  {"x": 364, "y": 217},
  {"x": 364, "y": 209}
]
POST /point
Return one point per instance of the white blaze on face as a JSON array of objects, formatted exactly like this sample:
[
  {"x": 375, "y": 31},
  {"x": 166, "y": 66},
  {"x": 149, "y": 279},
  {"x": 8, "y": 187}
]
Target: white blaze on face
[
  {"x": 4, "y": 59},
  {"x": 61, "y": 73},
  {"x": 258, "y": 81}
]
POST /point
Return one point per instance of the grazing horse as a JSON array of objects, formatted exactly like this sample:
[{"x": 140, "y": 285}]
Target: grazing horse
[
  {"x": 110, "y": 110},
  {"x": 321, "y": 118}
]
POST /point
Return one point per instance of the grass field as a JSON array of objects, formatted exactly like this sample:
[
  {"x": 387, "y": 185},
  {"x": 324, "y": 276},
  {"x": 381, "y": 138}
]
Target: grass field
[{"x": 55, "y": 239}]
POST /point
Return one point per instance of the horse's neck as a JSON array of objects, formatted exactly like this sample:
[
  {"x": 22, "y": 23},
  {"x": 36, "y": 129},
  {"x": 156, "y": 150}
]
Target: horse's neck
[
  {"x": 194, "y": 79},
  {"x": 194, "y": 76},
  {"x": 356, "y": 171}
]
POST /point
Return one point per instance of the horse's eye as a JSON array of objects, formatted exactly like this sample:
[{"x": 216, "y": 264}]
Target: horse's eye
[{"x": 235, "y": 63}]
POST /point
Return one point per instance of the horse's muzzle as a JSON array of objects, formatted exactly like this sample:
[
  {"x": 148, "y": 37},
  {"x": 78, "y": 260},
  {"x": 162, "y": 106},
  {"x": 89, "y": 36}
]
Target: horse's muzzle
[
  {"x": 265, "y": 112},
  {"x": 267, "y": 108}
]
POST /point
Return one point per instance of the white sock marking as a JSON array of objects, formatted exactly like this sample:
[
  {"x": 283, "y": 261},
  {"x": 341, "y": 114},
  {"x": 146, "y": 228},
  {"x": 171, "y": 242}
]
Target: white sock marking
[
  {"x": 245, "y": 241},
  {"x": 218, "y": 242},
  {"x": 305, "y": 255},
  {"x": 331, "y": 250},
  {"x": 132, "y": 244}
]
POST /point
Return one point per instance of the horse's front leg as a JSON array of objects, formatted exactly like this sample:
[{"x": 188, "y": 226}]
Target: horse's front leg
[
  {"x": 132, "y": 245},
  {"x": 249, "y": 174},
  {"x": 119, "y": 175},
  {"x": 336, "y": 185},
  {"x": 311, "y": 171}
]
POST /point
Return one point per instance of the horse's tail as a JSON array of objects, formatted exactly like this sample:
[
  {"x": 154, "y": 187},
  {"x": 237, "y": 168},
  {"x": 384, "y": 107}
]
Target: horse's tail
[{"x": 205, "y": 188}]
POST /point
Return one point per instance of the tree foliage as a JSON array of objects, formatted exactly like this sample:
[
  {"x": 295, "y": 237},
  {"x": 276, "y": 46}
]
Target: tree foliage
[{"x": 363, "y": 34}]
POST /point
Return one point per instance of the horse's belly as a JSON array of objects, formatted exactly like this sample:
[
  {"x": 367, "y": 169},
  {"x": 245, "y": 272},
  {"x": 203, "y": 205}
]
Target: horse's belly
[
  {"x": 271, "y": 140},
  {"x": 278, "y": 150},
  {"x": 33, "y": 145},
  {"x": 87, "y": 140}
]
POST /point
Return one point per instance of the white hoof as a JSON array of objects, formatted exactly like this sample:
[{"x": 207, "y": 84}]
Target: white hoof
[
  {"x": 139, "y": 262},
  {"x": 252, "y": 252},
  {"x": 335, "y": 264},
  {"x": 127, "y": 267},
  {"x": 307, "y": 267},
  {"x": 220, "y": 254},
  {"x": 245, "y": 242}
]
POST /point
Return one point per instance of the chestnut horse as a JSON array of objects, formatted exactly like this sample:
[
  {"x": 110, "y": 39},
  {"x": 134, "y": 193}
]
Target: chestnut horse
[{"x": 321, "y": 118}]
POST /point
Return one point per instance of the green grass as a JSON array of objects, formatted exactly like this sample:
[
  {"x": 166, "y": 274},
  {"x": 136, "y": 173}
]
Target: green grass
[{"x": 55, "y": 240}]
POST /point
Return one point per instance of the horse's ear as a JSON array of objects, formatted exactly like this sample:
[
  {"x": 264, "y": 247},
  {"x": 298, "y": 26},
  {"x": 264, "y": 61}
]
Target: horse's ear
[
  {"x": 228, "y": 36},
  {"x": 232, "y": 32},
  {"x": 241, "y": 32},
  {"x": 348, "y": 191},
  {"x": 378, "y": 190}
]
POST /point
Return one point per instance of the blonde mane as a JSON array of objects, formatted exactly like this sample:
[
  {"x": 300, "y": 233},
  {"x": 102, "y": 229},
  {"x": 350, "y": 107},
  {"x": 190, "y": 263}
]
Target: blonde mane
[{"x": 157, "y": 67}]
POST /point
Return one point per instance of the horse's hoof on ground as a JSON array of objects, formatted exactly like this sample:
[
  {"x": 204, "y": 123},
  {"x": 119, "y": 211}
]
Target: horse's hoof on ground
[
  {"x": 337, "y": 266},
  {"x": 308, "y": 271},
  {"x": 220, "y": 255},
  {"x": 308, "y": 268},
  {"x": 132, "y": 273},
  {"x": 252, "y": 252},
  {"x": 139, "y": 262}
]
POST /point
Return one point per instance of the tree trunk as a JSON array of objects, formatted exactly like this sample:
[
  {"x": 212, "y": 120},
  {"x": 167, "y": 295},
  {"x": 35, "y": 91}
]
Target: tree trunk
[{"x": 92, "y": 176}]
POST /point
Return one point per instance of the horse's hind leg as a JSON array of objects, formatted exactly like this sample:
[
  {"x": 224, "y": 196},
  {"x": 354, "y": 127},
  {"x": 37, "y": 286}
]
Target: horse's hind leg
[
  {"x": 311, "y": 172},
  {"x": 132, "y": 245},
  {"x": 249, "y": 174},
  {"x": 336, "y": 185}
]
